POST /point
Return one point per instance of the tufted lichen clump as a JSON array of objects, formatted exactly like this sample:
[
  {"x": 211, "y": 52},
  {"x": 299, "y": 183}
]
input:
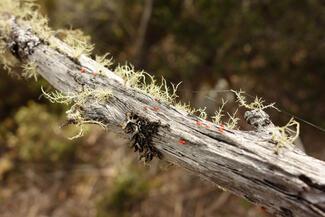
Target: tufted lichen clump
[
  {"x": 26, "y": 13},
  {"x": 78, "y": 101},
  {"x": 77, "y": 40},
  {"x": 30, "y": 70},
  {"x": 162, "y": 91},
  {"x": 282, "y": 136},
  {"x": 147, "y": 83}
]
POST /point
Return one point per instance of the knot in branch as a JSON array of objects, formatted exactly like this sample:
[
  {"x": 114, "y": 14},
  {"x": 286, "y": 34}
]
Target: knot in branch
[
  {"x": 259, "y": 119},
  {"x": 22, "y": 42}
]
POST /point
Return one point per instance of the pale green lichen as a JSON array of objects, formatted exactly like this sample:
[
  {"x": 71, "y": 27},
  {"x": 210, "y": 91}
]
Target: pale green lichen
[
  {"x": 218, "y": 115},
  {"x": 201, "y": 113},
  {"x": 286, "y": 135},
  {"x": 103, "y": 60},
  {"x": 98, "y": 95},
  {"x": 186, "y": 107},
  {"x": 74, "y": 116},
  {"x": 31, "y": 16},
  {"x": 7, "y": 60},
  {"x": 27, "y": 13},
  {"x": 232, "y": 122},
  {"x": 282, "y": 136},
  {"x": 148, "y": 83},
  {"x": 77, "y": 40},
  {"x": 79, "y": 100},
  {"x": 160, "y": 91},
  {"x": 30, "y": 70},
  {"x": 258, "y": 103}
]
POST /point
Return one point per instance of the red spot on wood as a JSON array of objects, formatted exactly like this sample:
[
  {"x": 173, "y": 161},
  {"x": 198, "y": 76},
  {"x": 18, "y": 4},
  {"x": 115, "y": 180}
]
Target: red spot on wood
[
  {"x": 221, "y": 128},
  {"x": 263, "y": 209},
  {"x": 198, "y": 123},
  {"x": 182, "y": 141},
  {"x": 82, "y": 69},
  {"x": 207, "y": 126},
  {"x": 145, "y": 108},
  {"x": 155, "y": 108}
]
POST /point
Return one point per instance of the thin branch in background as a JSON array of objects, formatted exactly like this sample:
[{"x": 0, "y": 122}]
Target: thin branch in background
[{"x": 140, "y": 40}]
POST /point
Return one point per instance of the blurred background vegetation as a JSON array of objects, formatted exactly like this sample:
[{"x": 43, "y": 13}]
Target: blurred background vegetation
[{"x": 273, "y": 49}]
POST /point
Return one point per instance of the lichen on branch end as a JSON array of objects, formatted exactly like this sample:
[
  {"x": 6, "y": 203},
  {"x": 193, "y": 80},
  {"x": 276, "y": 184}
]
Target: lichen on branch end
[
  {"x": 22, "y": 42},
  {"x": 75, "y": 115}
]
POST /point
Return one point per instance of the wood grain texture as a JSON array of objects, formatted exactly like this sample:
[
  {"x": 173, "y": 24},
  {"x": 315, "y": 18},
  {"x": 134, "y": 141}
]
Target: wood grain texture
[{"x": 289, "y": 184}]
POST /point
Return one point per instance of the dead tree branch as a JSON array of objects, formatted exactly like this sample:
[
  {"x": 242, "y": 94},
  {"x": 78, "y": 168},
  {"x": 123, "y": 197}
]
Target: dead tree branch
[{"x": 288, "y": 184}]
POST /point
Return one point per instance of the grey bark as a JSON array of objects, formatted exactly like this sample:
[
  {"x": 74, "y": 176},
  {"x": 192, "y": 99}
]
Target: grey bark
[{"x": 289, "y": 184}]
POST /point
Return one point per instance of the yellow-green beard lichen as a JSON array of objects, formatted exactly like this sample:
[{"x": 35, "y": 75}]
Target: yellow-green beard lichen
[
  {"x": 26, "y": 13},
  {"x": 218, "y": 115},
  {"x": 7, "y": 60},
  {"x": 103, "y": 60},
  {"x": 79, "y": 100},
  {"x": 30, "y": 70},
  {"x": 201, "y": 113},
  {"x": 77, "y": 40},
  {"x": 256, "y": 104},
  {"x": 286, "y": 135},
  {"x": 232, "y": 122},
  {"x": 161, "y": 92},
  {"x": 147, "y": 83},
  {"x": 186, "y": 107},
  {"x": 282, "y": 136}
]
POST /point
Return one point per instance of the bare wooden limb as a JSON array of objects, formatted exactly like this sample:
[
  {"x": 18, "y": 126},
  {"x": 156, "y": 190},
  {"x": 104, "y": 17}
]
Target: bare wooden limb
[{"x": 288, "y": 184}]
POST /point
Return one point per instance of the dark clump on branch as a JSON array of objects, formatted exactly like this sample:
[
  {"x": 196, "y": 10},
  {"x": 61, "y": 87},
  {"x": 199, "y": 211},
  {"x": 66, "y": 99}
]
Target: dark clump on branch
[
  {"x": 23, "y": 43},
  {"x": 141, "y": 131}
]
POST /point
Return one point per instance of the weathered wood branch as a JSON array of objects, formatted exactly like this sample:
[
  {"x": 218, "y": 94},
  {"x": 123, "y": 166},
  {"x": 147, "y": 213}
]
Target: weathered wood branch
[{"x": 288, "y": 184}]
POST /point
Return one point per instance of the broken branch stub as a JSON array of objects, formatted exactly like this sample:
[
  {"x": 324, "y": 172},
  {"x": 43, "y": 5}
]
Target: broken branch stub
[
  {"x": 288, "y": 184},
  {"x": 22, "y": 42}
]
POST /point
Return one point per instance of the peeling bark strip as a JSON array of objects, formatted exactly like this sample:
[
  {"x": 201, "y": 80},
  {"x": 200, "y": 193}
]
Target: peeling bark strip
[{"x": 289, "y": 184}]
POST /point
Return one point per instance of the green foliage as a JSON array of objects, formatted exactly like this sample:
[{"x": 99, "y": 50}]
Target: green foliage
[
  {"x": 128, "y": 189},
  {"x": 38, "y": 137}
]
